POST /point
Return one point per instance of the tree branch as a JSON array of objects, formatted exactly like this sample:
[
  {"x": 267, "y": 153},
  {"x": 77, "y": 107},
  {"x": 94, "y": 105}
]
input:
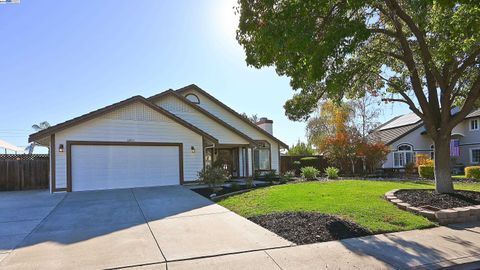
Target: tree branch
[
  {"x": 391, "y": 54},
  {"x": 467, "y": 107},
  {"x": 414, "y": 76},
  {"x": 469, "y": 61},
  {"x": 424, "y": 52},
  {"x": 384, "y": 31},
  {"x": 394, "y": 100}
]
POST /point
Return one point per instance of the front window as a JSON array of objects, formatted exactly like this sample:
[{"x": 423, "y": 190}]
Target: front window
[
  {"x": 475, "y": 155},
  {"x": 474, "y": 124},
  {"x": 262, "y": 159},
  {"x": 403, "y": 156}
]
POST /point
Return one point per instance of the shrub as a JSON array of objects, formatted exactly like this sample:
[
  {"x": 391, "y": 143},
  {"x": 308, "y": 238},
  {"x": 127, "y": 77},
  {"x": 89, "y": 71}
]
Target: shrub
[
  {"x": 309, "y": 172},
  {"x": 426, "y": 171},
  {"x": 213, "y": 176},
  {"x": 332, "y": 172},
  {"x": 297, "y": 163},
  {"x": 289, "y": 175},
  {"x": 309, "y": 161},
  {"x": 410, "y": 168},
  {"x": 423, "y": 159},
  {"x": 235, "y": 186},
  {"x": 270, "y": 175},
  {"x": 249, "y": 182},
  {"x": 472, "y": 172}
]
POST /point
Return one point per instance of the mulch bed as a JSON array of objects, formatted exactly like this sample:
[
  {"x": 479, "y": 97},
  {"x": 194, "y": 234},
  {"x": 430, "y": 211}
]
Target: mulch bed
[
  {"x": 306, "y": 228},
  {"x": 207, "y": 192},
  {"x": 428, "y": 197}
]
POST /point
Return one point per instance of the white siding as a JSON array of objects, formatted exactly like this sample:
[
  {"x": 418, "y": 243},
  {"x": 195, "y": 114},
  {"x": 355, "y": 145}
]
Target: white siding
[
  {"x": 135, "y": 122},
  {"x": 198, "y": 119},
  {"x": 233, "y": 120}
]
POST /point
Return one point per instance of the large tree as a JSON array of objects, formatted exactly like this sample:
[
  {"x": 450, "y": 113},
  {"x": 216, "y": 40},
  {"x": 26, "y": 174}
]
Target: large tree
[{"x": 424, "y": 53}]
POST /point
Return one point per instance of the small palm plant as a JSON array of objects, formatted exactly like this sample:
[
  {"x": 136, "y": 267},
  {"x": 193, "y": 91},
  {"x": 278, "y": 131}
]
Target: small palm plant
[{"x": 37, "y": 127}]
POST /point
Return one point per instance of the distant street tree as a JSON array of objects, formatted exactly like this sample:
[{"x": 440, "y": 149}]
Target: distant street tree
[
  {"x": 301, "y": 149},
  {"x": 425, "y": 54},
  {"x": 253, "y": 118},
  {"x": 336, "y": 134},
  {"x": 365, "y": 113},
  {"x": 37, "y": 127}
]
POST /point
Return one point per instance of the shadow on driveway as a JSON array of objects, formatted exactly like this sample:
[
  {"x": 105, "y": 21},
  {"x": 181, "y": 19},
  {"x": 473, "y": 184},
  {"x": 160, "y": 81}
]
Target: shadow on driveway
[{"x": 114, "y": 228}]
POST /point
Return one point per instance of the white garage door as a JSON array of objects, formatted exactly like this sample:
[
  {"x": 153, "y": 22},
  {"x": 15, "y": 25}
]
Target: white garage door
[{"x": 120, "y": 166}]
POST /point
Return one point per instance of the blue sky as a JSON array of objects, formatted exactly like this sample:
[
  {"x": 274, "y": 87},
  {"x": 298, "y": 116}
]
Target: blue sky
[{"x": 61, "y": 59}]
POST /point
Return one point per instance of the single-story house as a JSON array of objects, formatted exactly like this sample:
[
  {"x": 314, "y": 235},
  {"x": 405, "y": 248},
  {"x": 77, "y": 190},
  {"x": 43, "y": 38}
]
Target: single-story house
[
  {"x": 406, "y": 137},
  {"x": 165, "y": 139}
]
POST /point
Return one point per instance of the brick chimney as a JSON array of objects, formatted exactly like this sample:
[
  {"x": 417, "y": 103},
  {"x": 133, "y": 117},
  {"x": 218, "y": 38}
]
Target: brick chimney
[{"x": 266, "y": 124}]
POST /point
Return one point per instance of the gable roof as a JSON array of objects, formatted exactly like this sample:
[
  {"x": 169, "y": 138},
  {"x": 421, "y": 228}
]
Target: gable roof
[
  {"x": 391, "y": 135},
  {"x": 397, "y": 127},
  {"x": 475, "y": 113},
  {"x": 221, "y": 104},
  {"x": 400, "y": 121},
  {"x": 400, "y": 126},
  {"x": 170, "y": 92},
  {"x": 91, "y": 115}
]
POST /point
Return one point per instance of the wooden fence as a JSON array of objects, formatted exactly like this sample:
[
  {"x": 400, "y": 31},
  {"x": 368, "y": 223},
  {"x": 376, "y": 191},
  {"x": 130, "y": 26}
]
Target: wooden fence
[
  {"x": 290, "y": 163},
  {"x": 294, "y": 163},
  {"x": 21, "y": 172}
]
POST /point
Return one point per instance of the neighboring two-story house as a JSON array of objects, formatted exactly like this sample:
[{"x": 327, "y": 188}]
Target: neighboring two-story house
[{"x": 406, "y": 137}]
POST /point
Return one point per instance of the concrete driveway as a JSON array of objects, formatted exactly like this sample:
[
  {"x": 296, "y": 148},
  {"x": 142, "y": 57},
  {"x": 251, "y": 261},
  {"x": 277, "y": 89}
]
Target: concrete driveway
[{"x": 121, "y": 228}]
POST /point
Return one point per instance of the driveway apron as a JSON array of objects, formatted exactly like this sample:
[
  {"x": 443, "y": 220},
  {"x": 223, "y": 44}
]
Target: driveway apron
[{"x": 128, "y": 227}]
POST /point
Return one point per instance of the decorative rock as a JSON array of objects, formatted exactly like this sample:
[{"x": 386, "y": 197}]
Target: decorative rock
[
  {"x": 414, "y": 209},
  {"x": 444, "y": 216},
  {"x": 428, "y": 214},
  {"x": 441, "y": 215},
  {"x": 403, "y": 206}
]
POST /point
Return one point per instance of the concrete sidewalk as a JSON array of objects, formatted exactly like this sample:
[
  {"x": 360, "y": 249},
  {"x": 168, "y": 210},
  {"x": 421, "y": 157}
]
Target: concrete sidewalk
[{"x": 456, "y": 247}]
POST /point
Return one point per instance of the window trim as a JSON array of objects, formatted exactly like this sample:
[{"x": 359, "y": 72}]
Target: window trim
[
  {"x": 471, "y": 155},
  {"x": 407, "y": 144},
  {"x": 412, "y": 150},
  {"x": 470, "y": 125}
]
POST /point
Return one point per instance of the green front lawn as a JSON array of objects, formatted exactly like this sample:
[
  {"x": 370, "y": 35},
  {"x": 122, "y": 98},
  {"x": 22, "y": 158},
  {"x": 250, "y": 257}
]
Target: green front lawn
[{"x": 359, "y": 201}]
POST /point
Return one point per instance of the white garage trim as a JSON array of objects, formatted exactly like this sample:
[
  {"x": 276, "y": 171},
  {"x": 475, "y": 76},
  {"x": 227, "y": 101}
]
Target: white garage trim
[{"x": 113, "y": 143}]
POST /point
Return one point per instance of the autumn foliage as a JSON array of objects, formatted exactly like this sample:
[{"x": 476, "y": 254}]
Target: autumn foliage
[{"x": 340, "y": 141}]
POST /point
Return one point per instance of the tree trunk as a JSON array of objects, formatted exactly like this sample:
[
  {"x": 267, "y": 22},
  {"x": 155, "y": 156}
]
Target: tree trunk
[
  {"x": 353, "y": 166},
  {"x": 443, "y": 177}
]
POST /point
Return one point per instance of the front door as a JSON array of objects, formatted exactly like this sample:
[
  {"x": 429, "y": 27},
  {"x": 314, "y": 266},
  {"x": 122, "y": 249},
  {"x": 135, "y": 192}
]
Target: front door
[{"x": 228, "y": 159}]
